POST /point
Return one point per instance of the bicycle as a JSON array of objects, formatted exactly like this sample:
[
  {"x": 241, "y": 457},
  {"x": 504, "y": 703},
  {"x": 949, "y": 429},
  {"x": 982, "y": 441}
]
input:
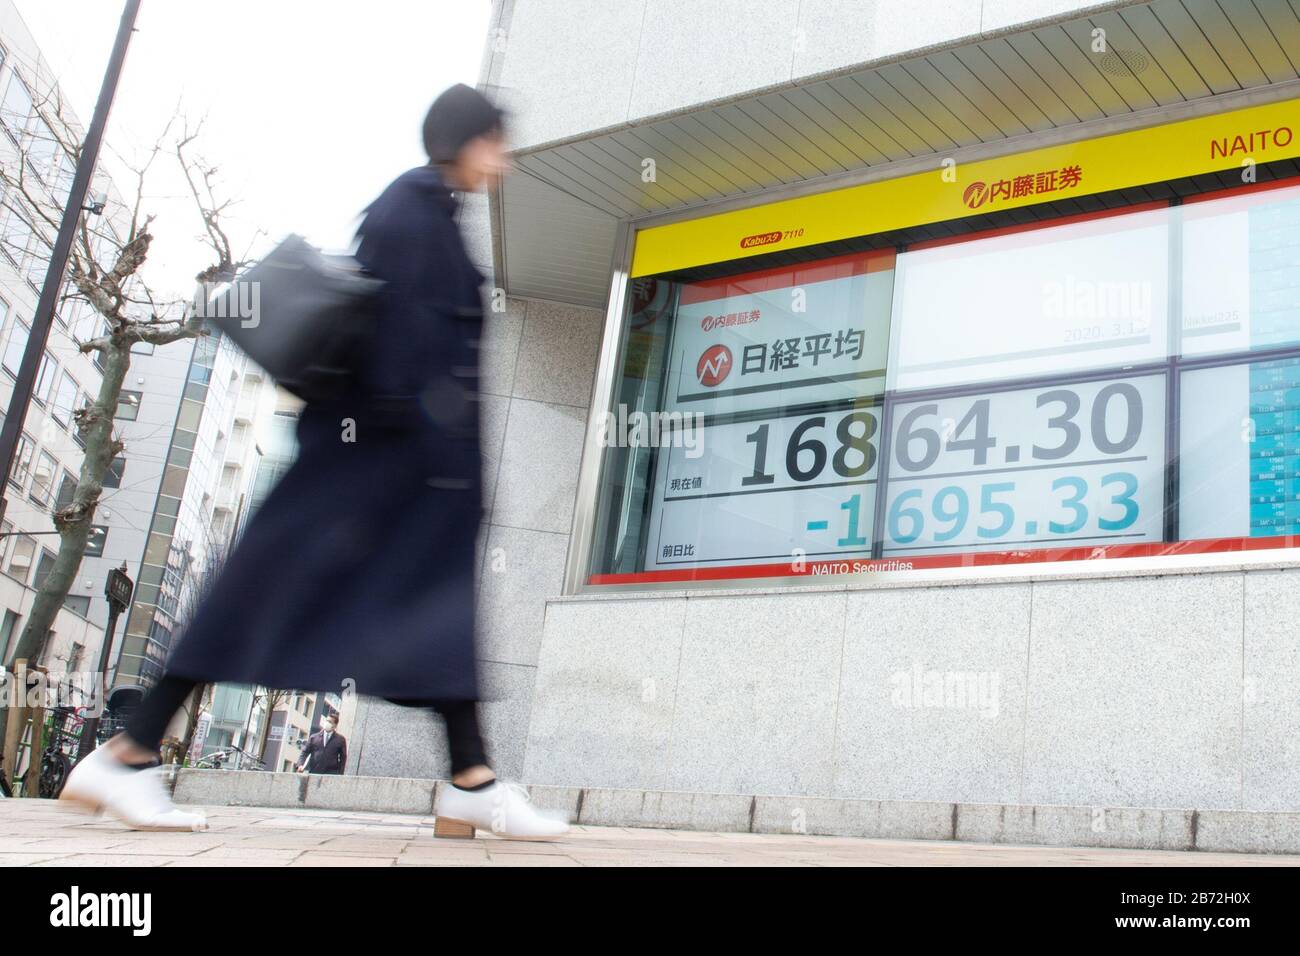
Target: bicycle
[
  {"x": 60, "y": 751},
  {"x": 217, "y": 760}
]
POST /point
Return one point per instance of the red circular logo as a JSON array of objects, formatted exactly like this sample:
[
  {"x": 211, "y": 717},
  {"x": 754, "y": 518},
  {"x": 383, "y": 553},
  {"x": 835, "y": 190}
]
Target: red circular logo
[
  {"x": 975, "y": 194},
  {"x": 713, "y": 365}
]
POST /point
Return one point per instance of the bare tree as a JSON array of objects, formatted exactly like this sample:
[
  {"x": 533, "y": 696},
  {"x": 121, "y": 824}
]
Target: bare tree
[
  {"x": 273, "y": 698},
  {"x": 104, "y": 270}
]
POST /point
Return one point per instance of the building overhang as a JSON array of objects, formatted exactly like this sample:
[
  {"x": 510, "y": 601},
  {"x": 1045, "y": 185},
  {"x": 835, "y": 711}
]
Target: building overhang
[{"x": 557, "y": 217}]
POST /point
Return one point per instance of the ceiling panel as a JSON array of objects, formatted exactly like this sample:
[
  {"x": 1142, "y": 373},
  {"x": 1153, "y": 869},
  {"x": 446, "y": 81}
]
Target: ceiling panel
[{"x": 560, "y": 213}]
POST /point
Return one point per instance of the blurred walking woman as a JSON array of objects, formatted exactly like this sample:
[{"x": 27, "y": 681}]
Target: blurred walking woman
[{"x": 360, "y": 564}]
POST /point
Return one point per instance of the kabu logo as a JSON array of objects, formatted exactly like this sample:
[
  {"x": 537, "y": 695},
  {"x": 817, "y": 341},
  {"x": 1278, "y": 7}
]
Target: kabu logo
[
  {"x": 761, "y": 239},
  {"x": 76, "y": 909}
]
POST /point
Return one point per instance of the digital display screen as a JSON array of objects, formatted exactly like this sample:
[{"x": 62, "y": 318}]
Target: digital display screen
[
  {"x": 1240, "y": 451},
  {"x": 1093, "y": 387},
  {"x": 783, "y": 337},
  {"x": 1241, "y": 274},
  {"x": 776, "y": 365},
  {"x": 773, "y": 488},
  {"x": 1055, "y": 300},
  {"x": 1079, "y": 463}
]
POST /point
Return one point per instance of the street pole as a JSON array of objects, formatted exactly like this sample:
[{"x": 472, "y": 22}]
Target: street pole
[
  {"x": 16, "y": 413},
  {"x": 117, "y": 589}
]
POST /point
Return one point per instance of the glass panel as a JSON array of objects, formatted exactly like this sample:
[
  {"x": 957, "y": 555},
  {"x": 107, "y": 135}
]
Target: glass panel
[
  {"x": 15, "y": 347},
  {"x": 188, "y": 418},
  {"x": 67, "y": 488},
  {"x": 1240, "y": 451},
  {"x": 16, "y": 110},
  {"x": 156, "y": 550},
  {"x": 22, "y": 461},
  {"x": 43, "y": 151},
  {"x": 1025, "y": 378},
  {"x": 45, "y": 378},
  {"x": 16, "y": 235},
  {"x": 746, "y": 424},
  {"x": 20, "y": 562},
  {"x": 1048, "y": 301},
  {"x": 116, "y": 469},
  {"x": 1241, "y": 272},
  {"x": 96, "y": 540},
  {"x": 173, "y": 482},
  {"x": 1077, "y": 463},
  {"x": 43, "y": 568},
  {"x": 43, "y": 478},
  {"x": 64, "y": 400},
  {"x": 128, "y": 405}
]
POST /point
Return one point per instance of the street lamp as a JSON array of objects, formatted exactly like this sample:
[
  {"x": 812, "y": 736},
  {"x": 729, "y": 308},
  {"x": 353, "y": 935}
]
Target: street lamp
[{"x": 117, "y": 589}]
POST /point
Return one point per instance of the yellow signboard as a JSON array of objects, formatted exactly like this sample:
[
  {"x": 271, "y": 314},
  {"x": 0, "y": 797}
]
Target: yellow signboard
[{"x": 1170, "y": 151}]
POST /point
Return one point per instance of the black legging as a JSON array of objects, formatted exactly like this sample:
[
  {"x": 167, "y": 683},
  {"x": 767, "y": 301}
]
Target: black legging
[{"x": 148, "y": 723}]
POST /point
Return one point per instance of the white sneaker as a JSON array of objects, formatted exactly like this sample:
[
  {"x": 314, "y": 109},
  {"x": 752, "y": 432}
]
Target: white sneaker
[
  {"x": 502, "y": 809},
  {"x": 136, "y": 797}
]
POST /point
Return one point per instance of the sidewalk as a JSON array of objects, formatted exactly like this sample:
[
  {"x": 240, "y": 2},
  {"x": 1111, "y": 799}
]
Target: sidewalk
[{"x": 45, "y": 833}]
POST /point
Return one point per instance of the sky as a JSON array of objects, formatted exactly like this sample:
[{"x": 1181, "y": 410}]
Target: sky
[{"x": 309, "y": 107}]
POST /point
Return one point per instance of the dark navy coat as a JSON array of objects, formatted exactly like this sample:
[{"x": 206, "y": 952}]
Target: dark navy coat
[{"x": 360, "y": 564}]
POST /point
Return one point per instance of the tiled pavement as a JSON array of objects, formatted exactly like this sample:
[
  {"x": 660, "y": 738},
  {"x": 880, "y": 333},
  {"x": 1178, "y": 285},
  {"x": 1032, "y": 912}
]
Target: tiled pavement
[{"x": 44, "y": 833}]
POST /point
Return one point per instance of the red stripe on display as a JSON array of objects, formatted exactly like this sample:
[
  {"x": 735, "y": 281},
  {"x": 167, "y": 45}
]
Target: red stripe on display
[
  {"x": 1242, "y": 190},
  {"x": 1035, "y": 226},
  {"x": 972, "y": 559},
  {"x": 787, "y": 277}
]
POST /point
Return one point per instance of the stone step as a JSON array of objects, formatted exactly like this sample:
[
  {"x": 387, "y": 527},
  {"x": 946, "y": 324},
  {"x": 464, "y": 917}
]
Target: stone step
[{"x": 1146, "y": 828}]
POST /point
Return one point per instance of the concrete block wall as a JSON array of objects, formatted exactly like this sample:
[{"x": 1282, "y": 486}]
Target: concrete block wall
[{"x": 1172, "y": 690}]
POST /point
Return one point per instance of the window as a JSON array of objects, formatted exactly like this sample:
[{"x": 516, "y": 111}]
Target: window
[
  {"x": 64, "y": 400},
  {"x": 43, "y": 568},
  {"x": 16, "y": 346},
  {"x": 95, "y": 541},
  {"x": 43, "y": 478},
  {"x": 1045, "y": 291},
  {"x": 45, "y": 379},
  {"x": 20, "y": 561},
  {"x": 15, "y": 235},
  {"x": 116, "y": 469},
  {"x": 67, "y": 488},
  {"x": 16, "y": 109},
  {"x": 8, "y": 632},
  {"x": 128, "y": 405},
  {"x": 22, "y": 461},
  {"x": 43, "y": 152},
  {"x": 1078, "y": 388},
  {"x": 78, "y": 604}
]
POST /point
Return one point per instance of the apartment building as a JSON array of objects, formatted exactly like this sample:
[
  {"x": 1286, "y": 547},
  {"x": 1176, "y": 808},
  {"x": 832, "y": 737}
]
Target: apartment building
[{"x": 49, "y": 454}]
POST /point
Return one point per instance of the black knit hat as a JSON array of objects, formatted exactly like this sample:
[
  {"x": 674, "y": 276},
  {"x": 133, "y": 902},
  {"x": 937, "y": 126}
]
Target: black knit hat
[{"x": 456, "y": 117}]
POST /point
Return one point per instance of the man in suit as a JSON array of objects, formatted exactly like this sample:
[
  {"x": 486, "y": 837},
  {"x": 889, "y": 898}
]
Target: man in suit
[{"x": 326, "y": 751}]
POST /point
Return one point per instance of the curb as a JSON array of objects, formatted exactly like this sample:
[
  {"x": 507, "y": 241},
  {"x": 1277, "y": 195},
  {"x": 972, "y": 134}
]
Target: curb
[{"x": 1133, "y": 828}]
